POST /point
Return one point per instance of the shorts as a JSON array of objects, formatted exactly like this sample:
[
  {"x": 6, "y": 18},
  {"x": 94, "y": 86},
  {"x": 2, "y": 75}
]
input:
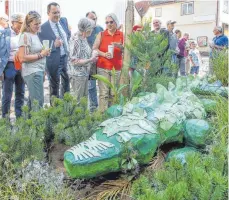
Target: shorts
[{"x": 194, "y": 70}]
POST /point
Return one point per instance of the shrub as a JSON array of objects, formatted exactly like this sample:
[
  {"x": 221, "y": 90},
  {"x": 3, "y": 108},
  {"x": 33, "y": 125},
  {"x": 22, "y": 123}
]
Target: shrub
[
  {"x": 204, "y": 176},
  {"x": 220, "y": 66}
]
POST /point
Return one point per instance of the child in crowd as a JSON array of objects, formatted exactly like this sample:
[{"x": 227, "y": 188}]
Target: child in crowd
[{"x": 195, "y": 59}]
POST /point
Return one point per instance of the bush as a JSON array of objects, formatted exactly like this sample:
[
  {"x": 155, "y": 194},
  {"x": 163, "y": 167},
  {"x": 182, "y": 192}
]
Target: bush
[
  {"x": 220, "y": 66},
  {"x": 203, "y": 176}
]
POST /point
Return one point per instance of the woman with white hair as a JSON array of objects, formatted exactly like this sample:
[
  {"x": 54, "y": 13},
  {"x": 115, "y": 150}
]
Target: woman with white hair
[
  {"x": 109, "y": 58},
  {"x": 81, "y": 58},
  {"x": 13, "y": 76}
]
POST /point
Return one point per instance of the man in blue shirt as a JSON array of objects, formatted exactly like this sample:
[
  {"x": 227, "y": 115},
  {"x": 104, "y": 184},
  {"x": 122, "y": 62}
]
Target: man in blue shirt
[
  {"x": 92, "y": 92},
  {"x": 219, "y": 42}
]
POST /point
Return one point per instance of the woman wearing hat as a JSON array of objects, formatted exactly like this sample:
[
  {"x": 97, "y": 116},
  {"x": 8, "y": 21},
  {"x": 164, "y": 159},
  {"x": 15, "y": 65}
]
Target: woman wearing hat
[
  {"x": 107, "y": 59},
  {"x": 81, "y": 58}
]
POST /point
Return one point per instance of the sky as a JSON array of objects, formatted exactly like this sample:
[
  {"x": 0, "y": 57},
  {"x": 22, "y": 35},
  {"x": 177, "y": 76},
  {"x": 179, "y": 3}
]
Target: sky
[{"x": 74, "y": 10}]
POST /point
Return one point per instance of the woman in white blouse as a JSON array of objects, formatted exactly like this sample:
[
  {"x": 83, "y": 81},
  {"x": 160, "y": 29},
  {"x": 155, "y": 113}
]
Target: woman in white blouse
[{"x": 32, "y": 55}]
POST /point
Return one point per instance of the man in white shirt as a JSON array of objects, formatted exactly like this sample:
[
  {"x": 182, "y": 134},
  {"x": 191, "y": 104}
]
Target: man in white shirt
[
  {"x": 11, "y": 75},
  {"x": 57, "y": 32}
]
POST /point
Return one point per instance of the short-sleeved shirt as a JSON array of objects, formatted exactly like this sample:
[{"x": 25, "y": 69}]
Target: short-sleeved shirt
[
  {"x": 91, "y": 38},
  {"x": 106, "y": 40},
  {"x": 182, "y": 47},
  {"x": 13, "y": 44},
  {"x": 34, "y": 46},
  {"x": 195, "y": 55},
  {"x": 173, "y": 42},
  {"x": 79, "y": 49},
  {"x": 221, "y": 40}
]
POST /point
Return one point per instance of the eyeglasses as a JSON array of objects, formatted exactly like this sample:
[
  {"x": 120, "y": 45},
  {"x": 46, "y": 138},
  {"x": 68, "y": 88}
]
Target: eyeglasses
[
  {"x": 55, "y": 13},
  {"x": 94, "y": 19},
  {"x": 110, "y": 22},
  {"x": 155, "y": 22}
]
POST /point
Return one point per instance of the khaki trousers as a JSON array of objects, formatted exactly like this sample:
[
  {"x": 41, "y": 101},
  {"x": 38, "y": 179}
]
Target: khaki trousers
[
  {"x": 79, "y": 86},
  {"x": 105, "y": 93}
]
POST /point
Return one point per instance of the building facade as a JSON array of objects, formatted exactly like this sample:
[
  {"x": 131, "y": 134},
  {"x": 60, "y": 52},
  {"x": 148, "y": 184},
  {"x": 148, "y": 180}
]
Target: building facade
[{"x": 196, "y": 17}]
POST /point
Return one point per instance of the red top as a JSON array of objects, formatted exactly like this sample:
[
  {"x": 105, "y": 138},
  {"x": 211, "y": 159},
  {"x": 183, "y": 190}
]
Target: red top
[{"x": 116, "y": 61}]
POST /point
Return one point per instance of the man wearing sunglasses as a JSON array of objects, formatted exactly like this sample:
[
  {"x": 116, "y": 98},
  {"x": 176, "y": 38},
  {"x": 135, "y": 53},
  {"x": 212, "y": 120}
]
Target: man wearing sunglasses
[
  {"x": 57, "y": 32},
  {"x": 92, "y": 92}
]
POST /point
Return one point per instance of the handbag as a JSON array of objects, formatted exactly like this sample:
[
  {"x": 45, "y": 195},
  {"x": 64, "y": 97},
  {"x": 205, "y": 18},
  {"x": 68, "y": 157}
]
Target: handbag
[{"x": 17, "y": 63}]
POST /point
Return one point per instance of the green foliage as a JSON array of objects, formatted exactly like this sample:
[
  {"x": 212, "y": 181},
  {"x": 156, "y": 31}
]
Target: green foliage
[
  {"x": 128, "y": 161},
  {"x": 136, "y": 80},
  {"x": 21, "y": 142},
  {"x": 220, "y": 65},
  {"x": 67, "y": 122},
  {"x": 148, "y": 49},
  {"x": 178, "y": 182},
  {"x": 14, "y": 187},
  {"x": 203, "y": 176},
  {"x": 162, "y": 79},
  {"x": 116, "y": 89},
  {"x": 30, "y": 191},
  {"x": 64, "y": 122}
]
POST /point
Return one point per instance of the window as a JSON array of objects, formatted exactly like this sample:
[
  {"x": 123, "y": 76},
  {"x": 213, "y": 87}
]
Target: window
[
  {"x": 225, "y": 7},
  {"x": 202, "y": 41},
  {"x": 158, "y": 12},
  {"x": 187, "y": 8}
]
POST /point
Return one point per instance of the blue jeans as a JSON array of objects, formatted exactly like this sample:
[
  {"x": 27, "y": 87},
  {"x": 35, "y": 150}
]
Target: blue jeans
[
  {"x": 181, "y": 63},
  {"x": 174, "y": 59},
  {"x": 92, "y": 93},
  {"x": 194, "y": 70},
  {"x": 35, "y": 84},
  {"x": 11, "y": 77}
]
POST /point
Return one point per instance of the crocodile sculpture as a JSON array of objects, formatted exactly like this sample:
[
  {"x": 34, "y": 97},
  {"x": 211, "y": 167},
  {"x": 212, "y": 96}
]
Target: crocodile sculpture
[{"x": 146, "y": 122}]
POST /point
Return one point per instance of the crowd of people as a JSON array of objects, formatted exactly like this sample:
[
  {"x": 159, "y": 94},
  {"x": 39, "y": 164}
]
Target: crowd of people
[{"x": 30, "y": 51}]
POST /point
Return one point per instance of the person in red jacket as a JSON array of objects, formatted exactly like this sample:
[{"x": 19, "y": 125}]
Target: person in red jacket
[{"x": 107, "y": 60}]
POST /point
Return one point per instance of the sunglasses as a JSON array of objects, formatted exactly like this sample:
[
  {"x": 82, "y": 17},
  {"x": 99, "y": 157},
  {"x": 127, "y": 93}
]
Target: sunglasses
[
  {"x": 110, "y": 22},
  {"x": 94, "y": 19}
]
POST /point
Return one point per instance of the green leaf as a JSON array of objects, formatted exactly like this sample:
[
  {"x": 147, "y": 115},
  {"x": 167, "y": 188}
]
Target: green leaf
[
  {"x": 121, "y": 88},
  {"x": 104, "y": 79},
  {"x": 135, "y": 81},
  {"x": 121, "y": 100}
]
